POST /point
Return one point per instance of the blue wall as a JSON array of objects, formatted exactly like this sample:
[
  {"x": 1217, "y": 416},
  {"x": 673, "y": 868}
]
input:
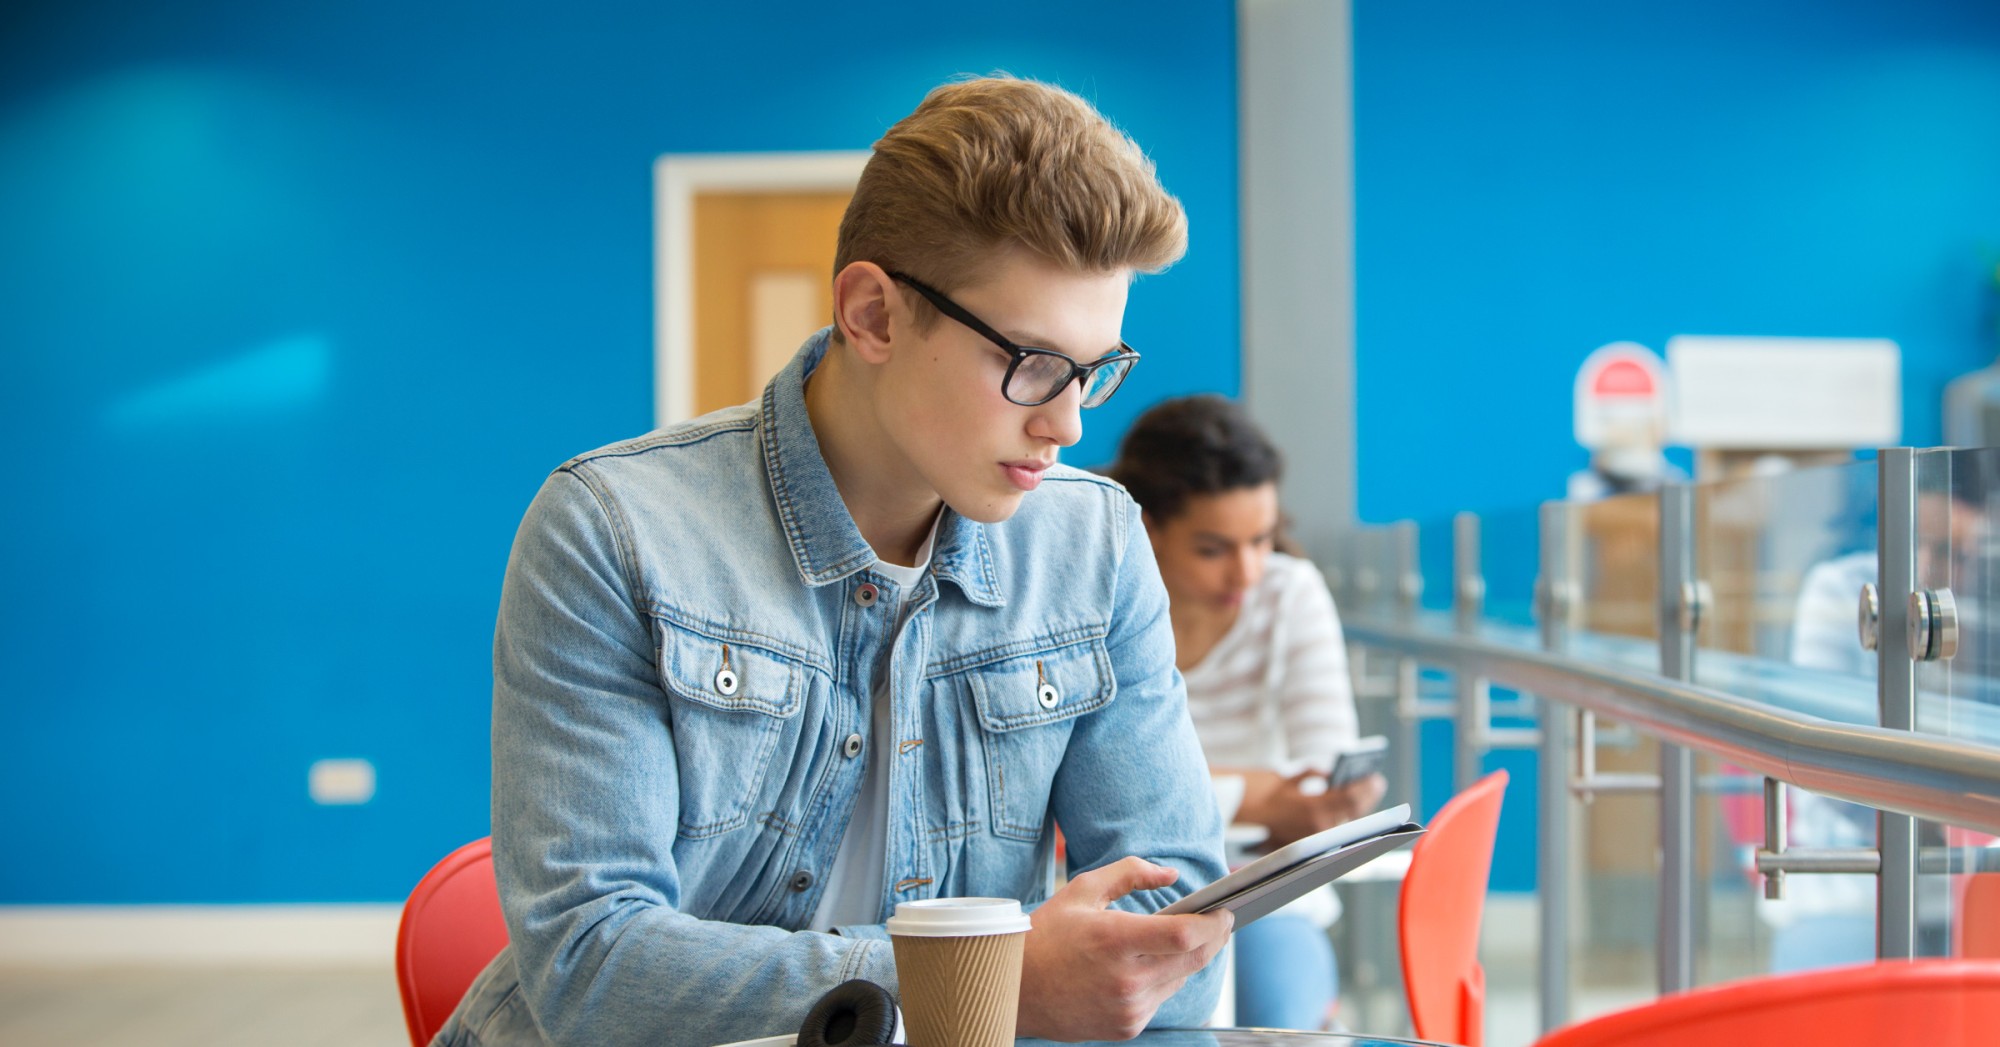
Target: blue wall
[
  {"x": 298, "y": 307},
  {"x": 1534, "y": 180}
]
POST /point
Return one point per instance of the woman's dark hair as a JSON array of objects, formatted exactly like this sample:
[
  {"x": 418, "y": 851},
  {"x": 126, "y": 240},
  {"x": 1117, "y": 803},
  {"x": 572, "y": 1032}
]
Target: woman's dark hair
[{"x": 1193, "y": 446}]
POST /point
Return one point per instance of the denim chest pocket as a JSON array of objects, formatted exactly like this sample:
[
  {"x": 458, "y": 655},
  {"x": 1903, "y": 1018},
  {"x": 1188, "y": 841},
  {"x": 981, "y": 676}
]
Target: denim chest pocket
[
  {"x": 1027, "y": 710},
  {"x": 729, "y": 703}
]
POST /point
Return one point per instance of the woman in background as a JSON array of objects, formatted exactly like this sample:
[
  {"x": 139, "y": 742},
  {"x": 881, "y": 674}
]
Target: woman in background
[{"x": 1258, "y": 641}]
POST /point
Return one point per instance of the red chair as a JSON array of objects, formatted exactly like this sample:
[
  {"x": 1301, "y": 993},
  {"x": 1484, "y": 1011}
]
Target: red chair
[
  {"x": 451, "y": 929},
  {"x": 1979, "y": 917},
  {"x": 1443, "y": 898},
  {"x": 1936, "y": 1003}
]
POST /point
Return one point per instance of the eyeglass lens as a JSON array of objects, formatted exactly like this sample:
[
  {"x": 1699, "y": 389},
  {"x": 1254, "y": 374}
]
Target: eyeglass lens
[{"x": 1041, "y": 376}]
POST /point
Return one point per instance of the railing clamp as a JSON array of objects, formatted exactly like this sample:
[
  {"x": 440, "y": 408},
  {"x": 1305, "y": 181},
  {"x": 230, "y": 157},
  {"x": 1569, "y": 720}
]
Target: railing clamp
[
  {"x": 1933, "y": 625},
  {"x": 1696, "y": 598},
  {"x": 1871, "y": 616}
]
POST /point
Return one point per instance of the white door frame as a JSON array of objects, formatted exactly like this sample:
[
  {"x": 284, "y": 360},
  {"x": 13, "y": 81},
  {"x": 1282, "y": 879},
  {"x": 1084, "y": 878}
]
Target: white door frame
[{"x": 677, "y": 177}]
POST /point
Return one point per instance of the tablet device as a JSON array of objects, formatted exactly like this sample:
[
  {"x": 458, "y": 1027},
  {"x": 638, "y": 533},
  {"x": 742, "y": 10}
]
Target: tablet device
[
  {"x": 1278, "y": 878},
  {"x": 1363, "y": 758}
]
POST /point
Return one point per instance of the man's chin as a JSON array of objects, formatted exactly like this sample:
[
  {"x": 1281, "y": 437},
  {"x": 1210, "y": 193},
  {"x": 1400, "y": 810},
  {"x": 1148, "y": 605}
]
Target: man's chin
[{"x": 986, "y": 508}]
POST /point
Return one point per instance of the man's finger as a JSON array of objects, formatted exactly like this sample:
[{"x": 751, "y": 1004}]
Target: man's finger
[
  {"x": 1105, "y": 885},
  {"x": 1183, "y": 935}
]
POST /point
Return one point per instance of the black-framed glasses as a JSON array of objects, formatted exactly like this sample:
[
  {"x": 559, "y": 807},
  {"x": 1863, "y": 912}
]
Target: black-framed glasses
[{"x": 1035, "y": 376}]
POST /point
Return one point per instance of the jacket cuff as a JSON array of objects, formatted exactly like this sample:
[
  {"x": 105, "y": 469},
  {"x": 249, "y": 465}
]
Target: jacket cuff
[{"x": 871, "y": 959}]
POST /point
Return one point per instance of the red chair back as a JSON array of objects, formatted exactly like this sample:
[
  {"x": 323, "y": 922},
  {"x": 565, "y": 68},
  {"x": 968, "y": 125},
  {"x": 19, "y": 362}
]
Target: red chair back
[
  {"x": 1979, "y": 917},
  {"x": 451, "y": 929},
  {"x": 1443, "y": 899},
  {"x": 1936, "y": 1003}
]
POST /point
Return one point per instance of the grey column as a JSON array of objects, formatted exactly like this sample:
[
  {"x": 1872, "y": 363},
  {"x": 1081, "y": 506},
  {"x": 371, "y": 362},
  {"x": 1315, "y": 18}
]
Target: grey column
[
  {"x": 1677, "y": 608},
  {"x": 1896, "y": 688},
  {"x": 1296, "y": 165},
  {"x": 1553, "y": 848}
]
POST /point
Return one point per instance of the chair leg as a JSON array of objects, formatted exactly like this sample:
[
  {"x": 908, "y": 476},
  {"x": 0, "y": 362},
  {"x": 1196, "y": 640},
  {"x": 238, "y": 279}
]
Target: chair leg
[{"x": 1472, "y": 1008}]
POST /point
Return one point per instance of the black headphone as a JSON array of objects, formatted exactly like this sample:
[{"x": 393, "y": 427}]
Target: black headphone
[{"x": 853, "y": 1014}]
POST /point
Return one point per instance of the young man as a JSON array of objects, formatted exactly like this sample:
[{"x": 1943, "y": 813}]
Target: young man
[{"x": 761, "y": 676}]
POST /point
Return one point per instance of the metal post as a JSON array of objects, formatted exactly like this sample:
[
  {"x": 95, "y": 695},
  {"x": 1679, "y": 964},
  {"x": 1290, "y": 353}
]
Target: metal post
[
  {"x": 1775, "y": 836},
  {"x": 1896, "y": 688},
  {"x": 1469, "y": 603},
  {"x": 1408, "y": 748},
  {"x": 1553, "y": 848},
  {"x": 1679, "y": 611}
]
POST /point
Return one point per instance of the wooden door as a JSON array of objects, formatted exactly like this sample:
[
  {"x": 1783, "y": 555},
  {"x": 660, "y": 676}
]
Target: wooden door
[{"x": 763, "y": 279}]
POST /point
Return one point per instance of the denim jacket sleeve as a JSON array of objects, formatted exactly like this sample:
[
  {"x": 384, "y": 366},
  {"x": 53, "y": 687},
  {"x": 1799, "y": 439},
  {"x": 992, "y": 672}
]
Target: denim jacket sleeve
[
  {"x": 585, "y": 807},
  {"x": 1134, "y": 781}
]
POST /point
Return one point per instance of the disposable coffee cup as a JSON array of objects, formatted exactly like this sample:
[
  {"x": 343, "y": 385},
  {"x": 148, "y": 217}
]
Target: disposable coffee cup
[{"x": 958, "y": 961}]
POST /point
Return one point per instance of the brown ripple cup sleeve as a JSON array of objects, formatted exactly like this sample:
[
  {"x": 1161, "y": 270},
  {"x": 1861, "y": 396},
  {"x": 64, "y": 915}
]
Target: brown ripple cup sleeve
[{"x": 958, "y": 963}]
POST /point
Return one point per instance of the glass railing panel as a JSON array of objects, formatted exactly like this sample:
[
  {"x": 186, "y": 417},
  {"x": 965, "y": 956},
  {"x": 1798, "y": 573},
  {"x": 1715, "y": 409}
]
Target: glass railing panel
[
  {"x": 1730, "y": 939},
  {"x": 1819, "y": 919},
  {"x": 1373, "y": 570},
  {"x": 1958, "y": 553},
  {"x": 1618, "y": 548},
  {"x": 1616, "y": 570},
  {"x": 1434, "y": 562},
  {"x": 1509, "y": 558},
  {"x": 1361, "y": 571},
  {"x": 1958, "y": 893},
  {"x": 1784, "y": 558},
  {"x": 1958, "y": 903}
]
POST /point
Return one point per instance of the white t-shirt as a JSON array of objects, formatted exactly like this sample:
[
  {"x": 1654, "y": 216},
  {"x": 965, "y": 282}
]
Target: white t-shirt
[
  {"x": 855, "y": 882},
  {"x": 1273, "y": 694}
]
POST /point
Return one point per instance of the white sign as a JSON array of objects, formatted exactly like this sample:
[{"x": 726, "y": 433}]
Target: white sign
[
  {"x": 1621, "y": 397},
  {"x": 1786, "y": 393}
]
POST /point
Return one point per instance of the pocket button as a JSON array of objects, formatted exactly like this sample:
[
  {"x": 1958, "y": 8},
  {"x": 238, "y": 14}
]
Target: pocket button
[{"x": 1046, "y": 694}]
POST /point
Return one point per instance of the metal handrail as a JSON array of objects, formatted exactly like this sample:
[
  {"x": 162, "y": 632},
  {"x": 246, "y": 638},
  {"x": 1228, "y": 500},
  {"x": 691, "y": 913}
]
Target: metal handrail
[{"x": 1947, "y": 780}]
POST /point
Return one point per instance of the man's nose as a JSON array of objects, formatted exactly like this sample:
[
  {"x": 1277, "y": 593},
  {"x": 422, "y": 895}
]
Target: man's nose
[{"x": 1060, "y": 421}]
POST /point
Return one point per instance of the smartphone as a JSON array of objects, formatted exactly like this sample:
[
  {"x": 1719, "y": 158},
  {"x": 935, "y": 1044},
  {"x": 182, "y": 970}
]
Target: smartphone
[{"x": 1365, "y": 757}]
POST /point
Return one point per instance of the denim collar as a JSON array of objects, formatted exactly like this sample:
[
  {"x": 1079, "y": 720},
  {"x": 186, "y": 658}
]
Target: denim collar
[{"x": 826, "y": 544}]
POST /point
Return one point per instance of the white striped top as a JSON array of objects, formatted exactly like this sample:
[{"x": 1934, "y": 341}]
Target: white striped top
[{"x": 1273, "y": 693}]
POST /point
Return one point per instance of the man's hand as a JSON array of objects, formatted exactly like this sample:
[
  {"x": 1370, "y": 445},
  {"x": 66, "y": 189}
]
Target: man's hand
[
  {"x": 1291, "y": 812},
  {"x": 1090, "y": 972}
]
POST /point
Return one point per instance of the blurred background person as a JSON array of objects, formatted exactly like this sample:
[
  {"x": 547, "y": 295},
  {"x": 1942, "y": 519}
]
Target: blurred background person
[{"x": 1259, "y": 643}]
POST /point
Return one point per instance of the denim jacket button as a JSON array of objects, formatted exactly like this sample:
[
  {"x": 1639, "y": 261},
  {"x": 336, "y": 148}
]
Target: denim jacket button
[
  {"x": 853, "y": 746},
  {"x": 803, "y": 881},
  {"x": 865, "y": 596},
  {"x": 1046, "y": 694},
  {"x": 725, "y": 682}
]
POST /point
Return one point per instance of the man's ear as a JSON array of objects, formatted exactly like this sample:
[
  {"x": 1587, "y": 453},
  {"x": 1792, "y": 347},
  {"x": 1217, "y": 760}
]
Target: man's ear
[{"x": 862, "y": 294}]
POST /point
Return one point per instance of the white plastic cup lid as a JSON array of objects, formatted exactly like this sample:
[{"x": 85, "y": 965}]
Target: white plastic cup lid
[{"x": 958, "y": 917}]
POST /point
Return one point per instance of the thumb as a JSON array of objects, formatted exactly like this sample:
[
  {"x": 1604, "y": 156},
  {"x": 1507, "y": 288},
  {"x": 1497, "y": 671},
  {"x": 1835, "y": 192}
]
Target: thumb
[{"x": 1100, "y": 887}]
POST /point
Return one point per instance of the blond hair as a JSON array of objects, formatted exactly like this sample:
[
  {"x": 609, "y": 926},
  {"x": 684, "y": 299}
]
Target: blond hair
[{"x": 996, "y": 162}]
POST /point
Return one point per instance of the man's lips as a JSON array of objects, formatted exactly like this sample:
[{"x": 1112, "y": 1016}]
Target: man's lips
[{"x": 1026, "y": 473}]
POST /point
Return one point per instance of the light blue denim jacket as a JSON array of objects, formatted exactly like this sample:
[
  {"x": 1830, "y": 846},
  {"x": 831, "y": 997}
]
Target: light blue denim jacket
[{"x": 683, "y": 662}]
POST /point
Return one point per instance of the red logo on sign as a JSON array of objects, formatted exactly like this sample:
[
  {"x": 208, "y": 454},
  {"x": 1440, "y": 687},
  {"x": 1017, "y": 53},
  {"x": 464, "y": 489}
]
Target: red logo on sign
[{"x": 1623, "y": 378}]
